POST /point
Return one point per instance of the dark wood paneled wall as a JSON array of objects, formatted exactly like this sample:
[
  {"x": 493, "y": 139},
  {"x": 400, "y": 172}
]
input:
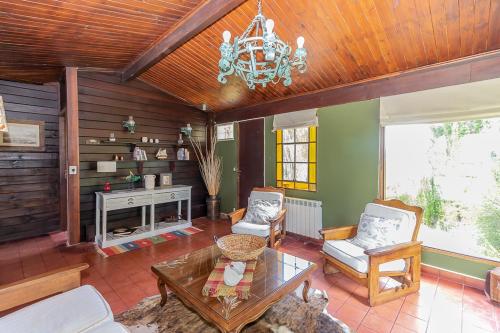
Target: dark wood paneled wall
[
  {"x": 29, "y": 181},
  {"x": 104, "y": 102}
]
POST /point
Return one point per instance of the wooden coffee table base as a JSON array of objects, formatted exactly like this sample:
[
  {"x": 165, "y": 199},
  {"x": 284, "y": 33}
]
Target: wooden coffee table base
[{"x": 186, "y": 276}]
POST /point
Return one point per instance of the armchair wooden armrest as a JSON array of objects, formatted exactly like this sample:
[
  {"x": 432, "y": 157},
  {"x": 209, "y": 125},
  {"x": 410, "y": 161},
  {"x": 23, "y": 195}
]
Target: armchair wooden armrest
[
  {"x": 236, "y": 216},
  {"x": 402, "y": 249},
  {"x": 40, "y": 286},
  {"x": 339, "y": 233},
  {"x": 278, "y": 219}
]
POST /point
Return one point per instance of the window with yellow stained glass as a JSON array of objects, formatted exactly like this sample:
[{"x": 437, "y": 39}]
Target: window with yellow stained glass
[{"x": 296, "y": 160}]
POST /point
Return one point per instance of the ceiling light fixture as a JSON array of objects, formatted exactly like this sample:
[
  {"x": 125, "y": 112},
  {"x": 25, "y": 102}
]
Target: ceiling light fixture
[{"x": 259, "y": 56}]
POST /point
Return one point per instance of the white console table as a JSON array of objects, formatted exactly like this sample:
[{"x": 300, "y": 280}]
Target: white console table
[{"x": 108, "y": 201}]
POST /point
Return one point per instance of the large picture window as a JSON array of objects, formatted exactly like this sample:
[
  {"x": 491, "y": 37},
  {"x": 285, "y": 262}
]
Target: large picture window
[
  {"x": 296, "y": 166},
  {"x": 452, "y": 170}
]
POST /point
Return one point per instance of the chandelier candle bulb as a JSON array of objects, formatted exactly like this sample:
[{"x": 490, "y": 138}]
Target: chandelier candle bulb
[
  {"x": 226, "y": 35},
  {"x": 300, "y": 42}
]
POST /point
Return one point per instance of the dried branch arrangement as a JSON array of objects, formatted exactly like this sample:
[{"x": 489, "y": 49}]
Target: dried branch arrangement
[{"x": 210, "y": 163}]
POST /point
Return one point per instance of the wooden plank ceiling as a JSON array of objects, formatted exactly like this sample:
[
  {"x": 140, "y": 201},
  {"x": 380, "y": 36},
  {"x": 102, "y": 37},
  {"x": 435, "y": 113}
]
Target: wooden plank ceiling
[
  {"x": 347, "y": 41},
  {"x": 39, "y": 37}
]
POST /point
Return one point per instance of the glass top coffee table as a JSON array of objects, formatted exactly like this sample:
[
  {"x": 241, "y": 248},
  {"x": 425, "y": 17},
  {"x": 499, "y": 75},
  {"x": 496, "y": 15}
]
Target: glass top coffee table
[{"x": 276, "y": 275}]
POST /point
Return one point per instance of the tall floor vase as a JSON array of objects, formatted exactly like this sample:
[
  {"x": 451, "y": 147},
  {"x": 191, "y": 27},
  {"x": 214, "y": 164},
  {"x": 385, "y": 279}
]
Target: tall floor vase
[{"x": 213, "y": 207}]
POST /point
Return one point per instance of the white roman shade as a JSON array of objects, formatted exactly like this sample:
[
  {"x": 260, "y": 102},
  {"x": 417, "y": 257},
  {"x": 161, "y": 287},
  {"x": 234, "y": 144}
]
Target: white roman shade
[
  {"x": 303, "y": 118},
  {"x": 454, "y": 103}
]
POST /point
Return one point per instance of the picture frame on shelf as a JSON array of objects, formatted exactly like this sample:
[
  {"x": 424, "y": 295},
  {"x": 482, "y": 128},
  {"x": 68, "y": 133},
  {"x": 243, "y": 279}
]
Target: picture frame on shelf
[{"x": 165, "y": 179}]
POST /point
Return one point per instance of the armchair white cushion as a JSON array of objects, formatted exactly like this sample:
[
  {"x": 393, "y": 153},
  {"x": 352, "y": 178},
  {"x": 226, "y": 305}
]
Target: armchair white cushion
[
  {"x": 354, "y": 256},
  {"x": 79, "y": 310},
  {"x": 390, "y": 226}
]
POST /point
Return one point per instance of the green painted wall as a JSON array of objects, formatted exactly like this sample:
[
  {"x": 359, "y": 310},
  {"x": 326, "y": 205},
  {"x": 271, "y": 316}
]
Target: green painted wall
[
  {"x": 348, "y": 148},
  {"x": 456, "y": 264},
  {"x": 347, "y": 161}
]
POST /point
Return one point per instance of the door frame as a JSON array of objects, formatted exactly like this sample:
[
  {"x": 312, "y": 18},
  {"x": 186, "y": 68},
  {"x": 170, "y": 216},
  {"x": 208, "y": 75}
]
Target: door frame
[{"x": 237, "y": 138}]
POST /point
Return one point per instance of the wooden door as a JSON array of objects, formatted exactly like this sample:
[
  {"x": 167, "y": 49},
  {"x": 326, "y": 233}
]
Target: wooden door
[{"x": 250, "y": 158}]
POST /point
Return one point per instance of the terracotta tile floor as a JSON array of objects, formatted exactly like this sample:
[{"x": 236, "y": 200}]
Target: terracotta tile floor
[{"x": 441, "y": 306}]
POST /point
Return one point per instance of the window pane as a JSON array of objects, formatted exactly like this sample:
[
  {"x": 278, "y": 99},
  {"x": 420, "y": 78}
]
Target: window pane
[
  {"x": 312, "y": 133},
  {"x": 279, "y": 153},
  {"x": 302, "y": 134},
  {"x": 289, "y": 184},
  {"x": 301, "y": 172},
  {"x": 279, "y": 171},
  {"x": 302, "y": 152},
  {"x": 312, "y": 172},
  {"x": 312, "y": 187},
  {"x": 301, "y": 186},
  {"x": 288, "y": 136},
  {"x": 312, "y": 152},
  {"x": 279, "y": 135},
  {"x": 225, "y": 131},
  {"x": 288, "y": 171},
  {"x": 452, "y": 170},
  {"x": 288, "y": 153}
]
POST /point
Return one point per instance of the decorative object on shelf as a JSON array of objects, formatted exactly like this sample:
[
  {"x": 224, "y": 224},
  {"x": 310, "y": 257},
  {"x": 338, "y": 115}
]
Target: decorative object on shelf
[
  {"x": 186, "y": 154},
  {"x": 112, "y": 137},
  {"x": 187, "y": 130},
  {"x": 211, "y": 171},
  {"x": 162, "y": 154},
  {"x": 165, "y": 179},
  {"x": 130, "y": 124},
  {"x": 180, "y": 141},
  {"x": 131, "y": 179},
  {"x": 144, "y": 139},
  {"x": 151, "y": 140},
  {"x": 157, "y": 140},
  {"x": 3, "y": 117},
  {"x": 180, "y": 154},
  {"x": 140, "y": 154},
  {"x": 92, "y": 142},
  {"x": 26, "y": 135},
  {"x": 107, "y": 187},
  {"x": 259, "y": 56},
  {"x": 106, "y": 166},
  {"x": 149, "y": 182}
]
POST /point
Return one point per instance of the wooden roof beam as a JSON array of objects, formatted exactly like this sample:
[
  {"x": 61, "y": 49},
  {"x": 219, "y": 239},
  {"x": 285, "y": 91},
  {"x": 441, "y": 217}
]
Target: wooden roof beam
[{"x": 195, "y": 22}]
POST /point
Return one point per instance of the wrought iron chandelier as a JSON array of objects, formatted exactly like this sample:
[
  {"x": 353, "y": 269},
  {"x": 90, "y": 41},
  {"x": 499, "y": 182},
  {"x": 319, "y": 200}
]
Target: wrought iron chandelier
[{"x": 259, "y": 56}]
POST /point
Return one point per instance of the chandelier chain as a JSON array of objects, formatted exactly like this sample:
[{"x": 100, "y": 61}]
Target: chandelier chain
[{"x": 259, "y": 7}]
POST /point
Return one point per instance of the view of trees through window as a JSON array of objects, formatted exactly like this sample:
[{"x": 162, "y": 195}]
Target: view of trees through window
[{"x": 452, "y": 170}]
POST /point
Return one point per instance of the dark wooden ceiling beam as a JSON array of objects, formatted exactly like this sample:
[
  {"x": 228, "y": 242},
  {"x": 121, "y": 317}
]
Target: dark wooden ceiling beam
[
  {"x": 195, "y": 22},
  {"x": 474, "y": 68}
]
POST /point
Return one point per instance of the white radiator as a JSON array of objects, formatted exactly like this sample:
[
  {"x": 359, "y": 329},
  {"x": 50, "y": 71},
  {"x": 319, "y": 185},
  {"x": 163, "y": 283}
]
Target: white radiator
[{"x": 303, "y": 217}]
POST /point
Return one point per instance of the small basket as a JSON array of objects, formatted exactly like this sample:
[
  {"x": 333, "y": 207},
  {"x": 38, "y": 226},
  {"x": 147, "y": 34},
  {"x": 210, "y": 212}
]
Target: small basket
[{"x": 241, "y": 247}]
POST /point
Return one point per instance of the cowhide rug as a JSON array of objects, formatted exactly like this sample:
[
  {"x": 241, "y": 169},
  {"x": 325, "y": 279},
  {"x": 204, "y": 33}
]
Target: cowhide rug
[{"x": 291, "y": 314}]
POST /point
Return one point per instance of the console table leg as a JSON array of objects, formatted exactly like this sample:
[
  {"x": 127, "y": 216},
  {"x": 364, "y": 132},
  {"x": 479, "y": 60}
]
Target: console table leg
[
  {"x": 305, "y": 290},
  {"x": 163, "y": 291}
]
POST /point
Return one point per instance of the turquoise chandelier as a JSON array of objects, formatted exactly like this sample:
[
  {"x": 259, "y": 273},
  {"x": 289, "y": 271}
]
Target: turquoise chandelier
[{"x": 259, "y": 56}]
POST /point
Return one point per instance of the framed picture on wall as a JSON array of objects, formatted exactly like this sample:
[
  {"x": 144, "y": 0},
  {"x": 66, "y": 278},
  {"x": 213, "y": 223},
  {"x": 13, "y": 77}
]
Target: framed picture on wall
[
  {"x": 26, "y": 135},
  {"x": 165, "y": 179}
]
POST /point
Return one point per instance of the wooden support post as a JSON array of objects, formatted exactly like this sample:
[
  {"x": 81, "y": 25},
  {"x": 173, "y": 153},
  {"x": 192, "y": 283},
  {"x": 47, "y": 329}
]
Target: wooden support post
[{"x": 73, "y": 156}]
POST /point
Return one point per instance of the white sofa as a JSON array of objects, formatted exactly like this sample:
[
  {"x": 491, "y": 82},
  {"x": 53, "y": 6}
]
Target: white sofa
[{"x": 80, "y": 310}]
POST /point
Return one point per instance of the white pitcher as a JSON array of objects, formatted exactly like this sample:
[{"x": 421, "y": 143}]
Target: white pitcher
[{"x": 149, "y": 182}]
